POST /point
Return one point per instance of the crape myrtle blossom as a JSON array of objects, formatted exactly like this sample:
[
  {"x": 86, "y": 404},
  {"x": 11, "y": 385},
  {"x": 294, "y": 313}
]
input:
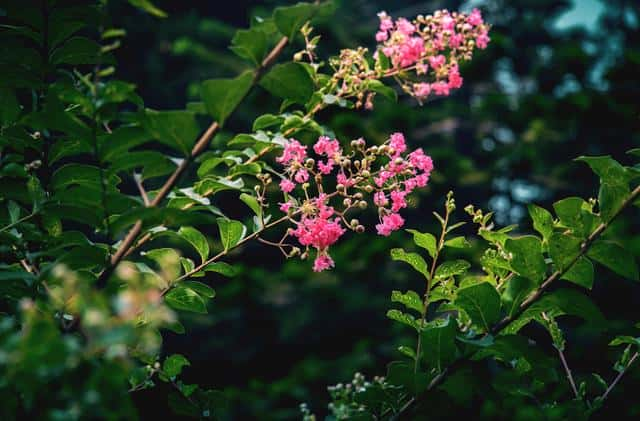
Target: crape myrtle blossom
[
  {"x": 433, "y": 46},
  {"x": 423, "y": 55},
  {"x": 336, "y": 183}
]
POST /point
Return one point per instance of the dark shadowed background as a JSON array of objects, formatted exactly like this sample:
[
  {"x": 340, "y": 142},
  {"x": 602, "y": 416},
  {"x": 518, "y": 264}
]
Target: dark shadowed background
[{"x": 559, "y": 80}]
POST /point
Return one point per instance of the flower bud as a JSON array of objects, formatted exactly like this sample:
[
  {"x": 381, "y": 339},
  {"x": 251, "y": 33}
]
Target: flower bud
[
  {"x": 354, "y": 223},
  {"x": 398, "y": 161},
  {"x": 358, "y": 196},
  {"x": 346, "y": 202},
  {"x": 360, "y": 229},
  {"x": 362, "y": 204},
  {"x": 297, "y": 56},
  {"x": 340, "y": 187},
  {"x": 368, "y": 188},
  {"x": 366, "y": 173}
]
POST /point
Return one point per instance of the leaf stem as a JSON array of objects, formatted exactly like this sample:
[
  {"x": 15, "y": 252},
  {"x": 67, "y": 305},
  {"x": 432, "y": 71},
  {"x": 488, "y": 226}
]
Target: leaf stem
[
  {"x": 619, "y": 376},
  {"x": 19, "y": 221}
]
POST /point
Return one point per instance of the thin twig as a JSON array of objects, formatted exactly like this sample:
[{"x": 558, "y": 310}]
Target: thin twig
[
  {"x": 143, "y": 192},
  {"x": 568, "y": 371},
  {"x": 619, "y": 376},
  {"x": 19, "y": 221}
]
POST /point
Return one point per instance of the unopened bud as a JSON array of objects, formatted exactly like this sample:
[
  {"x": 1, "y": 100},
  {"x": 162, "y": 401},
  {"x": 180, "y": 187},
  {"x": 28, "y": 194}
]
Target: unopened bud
[
  {"x": 362, "y": 204},
  {"x": 398, "y": 161},
  {"x": 360, "y": 229},
  {"x": 358, "y": 196},
  {"x": 365, "y": 173},
  {"x": 340, "y": 187},
  {"x": 346, "y": 202},
  {"x": 354, "y": 223},
  {"x": 368, "y": 188},
  {"x": 297, "y": 56}
]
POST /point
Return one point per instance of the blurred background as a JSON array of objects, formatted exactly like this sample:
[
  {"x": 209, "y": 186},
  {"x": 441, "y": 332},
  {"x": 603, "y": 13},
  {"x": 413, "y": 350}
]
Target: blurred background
[{"x": 559, "y": 80}]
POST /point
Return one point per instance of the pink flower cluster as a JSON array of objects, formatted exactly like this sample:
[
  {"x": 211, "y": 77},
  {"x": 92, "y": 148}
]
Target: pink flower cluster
[
  {"x": 433, "y": 46},
  {"x": 318, "y": 224}
]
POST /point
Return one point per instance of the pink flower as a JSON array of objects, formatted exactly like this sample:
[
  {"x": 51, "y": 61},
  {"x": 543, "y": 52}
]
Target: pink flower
[
  {"x": 293, "y": 152},
  {"x": 421, "y": 179},
  {"x": 397, "y": 142},
  {"x": 482, "y": 40},
  {"x": 382, "y": 178},
  {"x": 421, "y": 90},
  {"x": 325, "y": 168},
  {"x": 421, "y": 161},
  {"x": 437, "y": 61},
  {"x": 323, "y": 261},
  {"x": 398, "y": 200},
  {"x": 284, "y": 207},
  {"x": 440, "y": 88},
  {"x": 448, "y": 23},
  {"x": 287, "y": 185},
  {"x": 341, "y": 178},
  {"x": 422, "y": 68},
  {"x": 410, "y": 52},
  {"x": 456, "y": 40},
  {"x": 385, "y": 21},
  {"x": 405, "y": 27},
  {"x": 301, "y": 176},
  {"x": 455, "y": 81},
  {"x": 380, "y": 199},
  {"x": 390, "y": 223},
  {"x": 475, "y": 18},
  {"x": 381, "y": 36},
  {"x": 326, "y": 146}
]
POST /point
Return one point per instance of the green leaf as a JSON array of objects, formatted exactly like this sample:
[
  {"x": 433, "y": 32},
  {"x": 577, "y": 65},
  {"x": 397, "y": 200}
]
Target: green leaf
[
  {"x": 517, "y": 290},
  {"x": 252, "y": 202},
  {"x": 542, "y": 220},
  {"x": 289, "y": 81},
  {"x": 481, "y": 302},
  {"x": 177, "y": 129},
  {"x": 403, "y": 318},
  {"x": 250, "y": 44},
  {"x": 557, "y": 303},
  {"x": 425, "y": 240},
  {"x": 451, "y": 268},
  {"x": 222, "y": 96},
  {"x": 625, "y": 340},
  {"x": 197, "y": 240},
  {"x": 82, "y": 175},
  {"x": 290, "y": 19},
  {"x": 580, "y": 273},
  {"x": 76, "y": 50},
  {"x": 378, "y": 87},
  {"x": 527, "y": 259},
  {"x": 409, "y": 299},
  {"x": 231, "y": 232},
  {"x": 563, "y": 249},
  {"x": 403, "y": 374},
  {"x": 173, "y": 365},
  {"x": 614, "y": 183},
  {"x": 617, "y": 258},
  {"x": 415, "y": 260},
  {"x": 223, "y": 268},
  {"x": 148, "y": 7},
  {"x": 267, "y": 120},
  {"x": 572, "y": 214},
  {"x": 183, "y": 298},
  {"x": 438, "y": 339},
  {"x": 457, "y": 243},
  {"x": 202, "y": 289}
]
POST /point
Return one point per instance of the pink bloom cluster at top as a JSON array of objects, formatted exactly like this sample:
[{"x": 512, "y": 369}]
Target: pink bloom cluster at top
[
  {"x": 433, "y": 46},
  {"x": 318, "y": 224}
]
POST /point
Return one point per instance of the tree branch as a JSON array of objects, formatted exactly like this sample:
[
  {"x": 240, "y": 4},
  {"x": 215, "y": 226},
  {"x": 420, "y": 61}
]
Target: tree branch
[
  {"x": 533, "y": 298},
  {"x": 200, "y": 146}
]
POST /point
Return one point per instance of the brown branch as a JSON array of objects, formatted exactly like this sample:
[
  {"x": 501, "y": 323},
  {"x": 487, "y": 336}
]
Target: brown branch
[
  {"x": 200, "y": 146},
  {"x": 533, "y": 298},
  {"x": 143, "y": 192}
]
